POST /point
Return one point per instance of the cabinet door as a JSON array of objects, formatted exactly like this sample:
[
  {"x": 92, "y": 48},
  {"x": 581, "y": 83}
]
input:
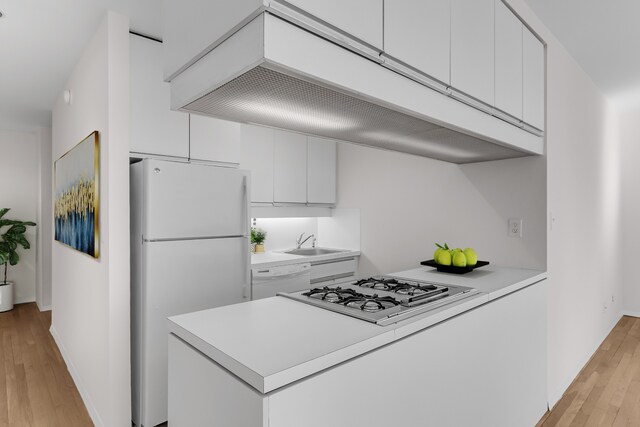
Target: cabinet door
[
  {"x": 418, "y": 32},
  {"x": 289, "y": 168},
  {"x": 256, "y": 155},
  {"x": 533, "y": 80},
  {"x": 321, "y": 170},
  {"x": 155, "y": 129},
  {"x": 472, "y": 44},
  {"x": 360, "y": 18},
  {"x": 214, "y": 140},
  {"x": 508, "y": 61}
]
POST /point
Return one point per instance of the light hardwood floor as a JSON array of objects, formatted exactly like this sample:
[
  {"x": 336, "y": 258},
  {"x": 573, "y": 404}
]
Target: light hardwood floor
[
  {"x": 35, "y": 386},
  {"x": 607, "y": 390}
]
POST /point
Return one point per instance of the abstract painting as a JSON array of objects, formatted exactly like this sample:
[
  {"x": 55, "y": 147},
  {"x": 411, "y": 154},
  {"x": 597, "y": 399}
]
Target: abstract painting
[{"x": 77, "y": 196}]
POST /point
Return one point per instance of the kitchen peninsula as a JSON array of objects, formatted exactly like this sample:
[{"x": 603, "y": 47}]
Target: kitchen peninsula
[{"x": 278, "y": 362}]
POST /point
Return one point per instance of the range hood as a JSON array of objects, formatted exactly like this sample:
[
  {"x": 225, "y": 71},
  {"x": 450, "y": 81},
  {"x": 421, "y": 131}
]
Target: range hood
[{"x": 271, "y": 72}]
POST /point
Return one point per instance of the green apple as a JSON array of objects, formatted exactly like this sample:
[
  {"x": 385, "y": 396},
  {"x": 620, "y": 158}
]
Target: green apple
[
  {"x": 436, "y": 254},
  {"x": 472, "y": 258},
  {"x": 444, "y": 258},
  {"x": 459, "y": 259}
]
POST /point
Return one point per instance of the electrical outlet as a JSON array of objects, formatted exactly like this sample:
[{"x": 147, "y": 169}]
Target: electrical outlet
[
  {"x": 515, "y": 227},
  {"x": 613, "y": 298}
]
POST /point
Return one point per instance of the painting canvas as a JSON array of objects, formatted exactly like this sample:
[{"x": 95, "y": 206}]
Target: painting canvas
[{"x": 76, "y": 206}]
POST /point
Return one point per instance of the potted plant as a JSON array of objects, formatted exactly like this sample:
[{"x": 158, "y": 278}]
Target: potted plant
[
  {"x": 257, "y": 239},
  {"x": 10, "y": 240}
]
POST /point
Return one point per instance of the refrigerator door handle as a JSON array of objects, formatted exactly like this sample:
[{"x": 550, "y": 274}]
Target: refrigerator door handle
[
  {"x": 246, "y": 286},
  {"x": 247, "y": 204}
]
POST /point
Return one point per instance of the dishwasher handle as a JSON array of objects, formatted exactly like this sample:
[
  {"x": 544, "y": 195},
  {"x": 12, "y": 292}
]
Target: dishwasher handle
[{"x": 280, "y": 272}]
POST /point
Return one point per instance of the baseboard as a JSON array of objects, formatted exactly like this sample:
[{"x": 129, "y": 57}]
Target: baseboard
[
  {"x": 93, "y": 413},
  {"x": 631, "y": 313},
  {"x": 44, "y": 307},
  {"x": 553, "y": 400}
]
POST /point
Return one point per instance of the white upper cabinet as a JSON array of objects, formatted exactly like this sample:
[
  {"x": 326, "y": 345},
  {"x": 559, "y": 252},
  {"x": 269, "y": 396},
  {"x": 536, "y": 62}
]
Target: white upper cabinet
[
  {"x": 214, "y": 140},
  {"x": 155, "y": 129},
  {"x": 321, "y": 170},
  {"x": 257, "y": 156},
  {"x": 359, "y": 18},
  {"x": 533, "y": 80},
  {"x": 508, "y": 61},
  {"x": 289, "y": 167},
  {"x": 418, "y": 33},
  {"x": 472, "y": 48}
]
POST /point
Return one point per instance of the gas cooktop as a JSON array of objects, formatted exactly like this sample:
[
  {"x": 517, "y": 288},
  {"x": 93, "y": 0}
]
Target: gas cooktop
[{"x": 382, "y": 299}]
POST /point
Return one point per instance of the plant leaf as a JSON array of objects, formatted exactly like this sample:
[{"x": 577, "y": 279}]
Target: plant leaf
[
  {"x": 4, "y": 222},
  {"x": 23, "y": 242},
  {"x": 17, "y": 229},
  {"x": 4, "y": 211},
  {"x": 14, "y": 258}
]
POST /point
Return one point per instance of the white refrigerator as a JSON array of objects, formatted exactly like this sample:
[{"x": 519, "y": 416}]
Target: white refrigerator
[{"x": 190, "y": 250}]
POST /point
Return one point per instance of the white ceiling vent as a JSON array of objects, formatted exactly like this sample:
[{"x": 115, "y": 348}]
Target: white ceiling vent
[{"x": 267, "y": 97}]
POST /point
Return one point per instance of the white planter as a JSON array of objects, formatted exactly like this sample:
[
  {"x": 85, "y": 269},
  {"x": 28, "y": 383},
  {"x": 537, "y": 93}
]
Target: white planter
[{"x": 6, "y": 296}]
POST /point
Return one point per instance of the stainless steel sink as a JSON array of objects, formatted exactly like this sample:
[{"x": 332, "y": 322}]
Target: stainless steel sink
[{"x": 313, "y": 251}]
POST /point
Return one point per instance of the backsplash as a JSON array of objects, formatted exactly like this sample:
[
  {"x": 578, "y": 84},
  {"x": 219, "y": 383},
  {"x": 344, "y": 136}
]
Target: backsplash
[
  {"x": 283, "y": 232},
  {"x": 340, "y": 231}
]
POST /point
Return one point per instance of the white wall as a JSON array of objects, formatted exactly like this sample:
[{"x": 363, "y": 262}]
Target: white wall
[
  {"x": 583, "y": 197},
  {"x": 407, "y": 203},
  {"x": 45, "y": 220},
  {"x": 630, "y": 153},
  {"x": 19, "y": 157},
  {"x": 583, "y": 193},
  {"x": 91, "y": 297}
]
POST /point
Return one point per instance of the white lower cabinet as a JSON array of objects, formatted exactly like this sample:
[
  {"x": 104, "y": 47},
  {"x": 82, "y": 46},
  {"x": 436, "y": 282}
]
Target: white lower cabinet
[
  {"x": 214, "y": 140},
  {"x": 326, "y": 273},
  {"x": 207, "y": 394},
  {"x": 485, "y": 367}
]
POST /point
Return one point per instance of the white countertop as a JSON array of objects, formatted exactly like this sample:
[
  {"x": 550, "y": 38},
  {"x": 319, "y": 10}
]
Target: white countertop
[
  {"x": 272, "y": 342},
  {"x": 273, "y": 259},
  {"x": 494, "y": 281}
]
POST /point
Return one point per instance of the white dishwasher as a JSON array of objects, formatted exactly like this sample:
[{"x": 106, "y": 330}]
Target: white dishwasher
[{"x": 267, "y": 282}]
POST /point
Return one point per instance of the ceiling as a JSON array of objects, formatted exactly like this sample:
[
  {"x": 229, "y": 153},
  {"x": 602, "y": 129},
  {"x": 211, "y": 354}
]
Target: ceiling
[
  {"x": 41, "y": 40},
  {"x": 603, "y": 37}
]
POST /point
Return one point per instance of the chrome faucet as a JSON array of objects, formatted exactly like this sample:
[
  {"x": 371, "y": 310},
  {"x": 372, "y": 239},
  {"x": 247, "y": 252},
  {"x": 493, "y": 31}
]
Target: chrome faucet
[{"x": 301, "y": 242}]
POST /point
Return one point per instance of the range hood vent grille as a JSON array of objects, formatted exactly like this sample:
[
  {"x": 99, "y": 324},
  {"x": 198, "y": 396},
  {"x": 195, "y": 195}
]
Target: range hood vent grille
[{"x": 272, "y": 98}]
